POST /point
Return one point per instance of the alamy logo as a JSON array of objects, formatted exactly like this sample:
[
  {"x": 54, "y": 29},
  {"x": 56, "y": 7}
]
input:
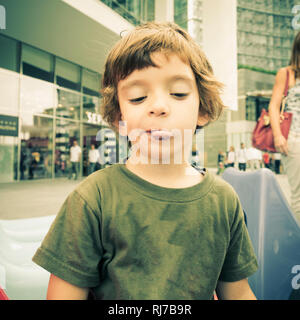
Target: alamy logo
[
  {"x": 2, "y": 17},
  {"x": 296, "y": 278},
  {"x": 295, "y": 20}
]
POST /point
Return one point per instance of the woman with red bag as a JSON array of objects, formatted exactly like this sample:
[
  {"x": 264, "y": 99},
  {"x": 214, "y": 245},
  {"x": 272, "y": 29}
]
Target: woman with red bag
[{"x": 289, "y": 148}]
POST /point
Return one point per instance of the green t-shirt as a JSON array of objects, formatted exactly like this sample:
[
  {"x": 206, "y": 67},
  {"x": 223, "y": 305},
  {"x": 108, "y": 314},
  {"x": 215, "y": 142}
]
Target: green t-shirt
[{"x": 127, "y": 238}]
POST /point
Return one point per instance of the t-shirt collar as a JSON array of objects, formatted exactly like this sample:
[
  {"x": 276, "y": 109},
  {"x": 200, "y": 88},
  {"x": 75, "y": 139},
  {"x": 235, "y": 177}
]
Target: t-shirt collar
[{"x": 166, "y": 194}]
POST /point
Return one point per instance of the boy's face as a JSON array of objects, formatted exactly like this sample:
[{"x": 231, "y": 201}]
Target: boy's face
[{"x": 161, "y": 99}]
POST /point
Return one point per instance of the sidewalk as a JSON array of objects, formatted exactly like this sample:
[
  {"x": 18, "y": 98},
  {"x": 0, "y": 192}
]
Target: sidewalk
[
  {"x": 37, "y": 198},
  {"x": 33, "y": 198}
]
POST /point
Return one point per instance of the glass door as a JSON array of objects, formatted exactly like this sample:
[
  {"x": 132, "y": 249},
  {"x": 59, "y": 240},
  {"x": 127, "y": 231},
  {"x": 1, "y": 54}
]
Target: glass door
[{"x": 66, "y": 132}]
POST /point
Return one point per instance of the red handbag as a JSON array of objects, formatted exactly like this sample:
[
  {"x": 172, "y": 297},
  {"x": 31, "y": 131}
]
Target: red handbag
[
  {"x": 3, "y": 295},
  {"x": 262, "y": 136}
]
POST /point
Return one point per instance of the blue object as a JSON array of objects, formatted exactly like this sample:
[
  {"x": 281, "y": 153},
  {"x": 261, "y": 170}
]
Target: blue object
[{"x": 274, "y": 231}]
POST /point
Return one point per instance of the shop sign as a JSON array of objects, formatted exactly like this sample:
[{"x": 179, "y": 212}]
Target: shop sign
[
  {"x": 9, "y": 126},
  {"x": 94, "y": 118}
]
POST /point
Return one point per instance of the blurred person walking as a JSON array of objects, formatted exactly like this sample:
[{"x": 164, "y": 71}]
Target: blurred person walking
[
  {"x": 242, "y": 157},
  {"x": 277, "y": 162},
  {"x": 93, "y": 158},
  {"x": 230, "y": 157},
  {"x": 266, "y": 158},
  {"x": 290, "y": 148},
  {"x": 221, "y": 160},
  {"x": 75, "y": 155},
  {"x": 254, "y": 157}
]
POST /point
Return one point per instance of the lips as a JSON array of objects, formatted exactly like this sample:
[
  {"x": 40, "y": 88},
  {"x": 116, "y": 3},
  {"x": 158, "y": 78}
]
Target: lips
[{"x": 160, "y": 134}]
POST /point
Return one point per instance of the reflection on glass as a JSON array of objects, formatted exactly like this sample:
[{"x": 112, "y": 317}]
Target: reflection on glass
[
  {"x": 37, "y": 96},
  {"x": 66, "y": 132},
  {"x": 37, "y": 63},
  {"x": 67, "y": 74},
  {"x": 68, "y": 104},
  {"x": 36, "y": 149},
  {"x": 90, "y": 83},
  {"x": 9, "y": 90}
]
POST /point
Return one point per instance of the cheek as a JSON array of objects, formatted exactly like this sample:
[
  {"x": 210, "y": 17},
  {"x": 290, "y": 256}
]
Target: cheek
[
  {"x": 132, "y": 120},
  {"x": 195, "y": 108},
  {"x": 192, "y": 112}
]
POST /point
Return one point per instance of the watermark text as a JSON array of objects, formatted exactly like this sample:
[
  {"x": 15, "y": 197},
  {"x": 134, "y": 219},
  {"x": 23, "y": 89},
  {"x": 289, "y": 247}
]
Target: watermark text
[
  {"x": 296, "y": 19},
  {"x": 175, "y": 146}
]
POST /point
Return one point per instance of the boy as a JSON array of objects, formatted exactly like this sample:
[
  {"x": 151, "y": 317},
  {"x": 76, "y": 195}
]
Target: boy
[{"x": 152, "y": 228}]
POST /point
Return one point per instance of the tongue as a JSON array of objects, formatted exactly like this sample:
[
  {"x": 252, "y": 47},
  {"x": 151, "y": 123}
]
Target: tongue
[{"x": 161, "y": 134}]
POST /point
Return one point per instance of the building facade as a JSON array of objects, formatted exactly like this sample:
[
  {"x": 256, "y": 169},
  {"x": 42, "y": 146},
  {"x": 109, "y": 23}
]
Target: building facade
[{"x": 265, "y": 31}]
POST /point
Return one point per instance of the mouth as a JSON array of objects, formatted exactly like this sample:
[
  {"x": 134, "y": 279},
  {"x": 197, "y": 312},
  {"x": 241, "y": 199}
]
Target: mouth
[{"x": 159, "y": 134}]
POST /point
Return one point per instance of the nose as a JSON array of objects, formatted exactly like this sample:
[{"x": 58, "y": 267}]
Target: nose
[{"x": 159, "y": 106}]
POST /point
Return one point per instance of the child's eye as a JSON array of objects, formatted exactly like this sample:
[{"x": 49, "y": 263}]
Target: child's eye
[
  {"x": 179, "y": 95},
  {"x": 137, "y": 100}
]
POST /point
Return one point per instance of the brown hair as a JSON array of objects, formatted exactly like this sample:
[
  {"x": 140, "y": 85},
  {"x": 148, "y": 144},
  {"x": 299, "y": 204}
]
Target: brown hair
[
  {"x": 133, "y": 52},
  {"x": 295, "y": 56}
]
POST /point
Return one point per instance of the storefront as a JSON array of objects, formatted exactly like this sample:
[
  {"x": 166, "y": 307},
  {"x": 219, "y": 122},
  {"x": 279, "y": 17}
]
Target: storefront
[{"x": 45, "y": 104}]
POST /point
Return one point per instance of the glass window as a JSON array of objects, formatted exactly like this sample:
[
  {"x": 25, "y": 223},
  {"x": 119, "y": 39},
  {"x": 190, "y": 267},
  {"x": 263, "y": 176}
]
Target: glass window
[
  {"x": 66, "y": 132},
  {"x": 254, "y": 106},
  {"x": 36, "y": 149},
  {"x": 37, "y": 97},
  {"x": 135, "y": 11},
  {"x": 9, "y": 92},
  {"x": 90, "y": 82},
  {"x": 150, "y": 11},
  {"x": 67, "y": 74},
  {"x": 37, "y": 63},
  {"x": 180, "y": 13},
  {"x": 8, "y": 158},
  {"x": 68, "y": 104},
  {"x": 9, "y": 54},
  {"x": 251, "y": 108}
]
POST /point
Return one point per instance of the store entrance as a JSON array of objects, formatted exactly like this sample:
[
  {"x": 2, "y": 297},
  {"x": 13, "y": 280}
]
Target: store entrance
[
  {"x": 91, "y": 155},
  {"x": 36, "y": 149}
]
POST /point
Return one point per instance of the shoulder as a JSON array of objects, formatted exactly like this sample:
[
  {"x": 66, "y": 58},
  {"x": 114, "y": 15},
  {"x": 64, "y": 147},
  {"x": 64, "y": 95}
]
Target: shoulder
[
  {"x": 94, "y": 187},
  {"x": 282, "y": 72},
  {"x": 226, "y": 201},
  {"x": 224, "y": 191}
]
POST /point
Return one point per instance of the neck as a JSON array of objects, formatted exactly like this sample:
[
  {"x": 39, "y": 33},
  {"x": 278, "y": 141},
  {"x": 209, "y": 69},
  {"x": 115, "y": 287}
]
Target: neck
[
  {"x": 159, "y": 170},
  {"x": 166, "y": 175}
]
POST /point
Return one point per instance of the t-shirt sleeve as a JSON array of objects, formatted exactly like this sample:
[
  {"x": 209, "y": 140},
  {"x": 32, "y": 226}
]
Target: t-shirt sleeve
[
  {"x": 72, "y": 247},
  {"x": 240, "y": 261}
]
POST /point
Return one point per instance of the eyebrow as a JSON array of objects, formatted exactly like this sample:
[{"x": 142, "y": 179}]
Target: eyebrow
[
  {"x": 133, "y": 83},
  {"x": 140, "y": 82}
]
